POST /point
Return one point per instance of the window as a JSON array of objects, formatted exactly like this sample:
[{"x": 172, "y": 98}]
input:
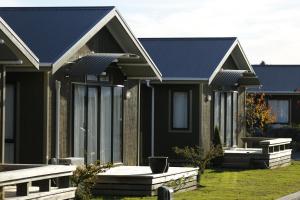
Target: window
[
  {"x": 97, "y": 124},
  {"x": 180, "y": 113},
  {"x": 280, "y": 108}
]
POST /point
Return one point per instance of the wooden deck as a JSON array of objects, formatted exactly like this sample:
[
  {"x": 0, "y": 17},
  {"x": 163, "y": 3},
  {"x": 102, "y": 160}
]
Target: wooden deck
[
  {"x": 272, "y": 154},
  {"x": 36, "y": 182},
  {"x": 139, "y": 181}
]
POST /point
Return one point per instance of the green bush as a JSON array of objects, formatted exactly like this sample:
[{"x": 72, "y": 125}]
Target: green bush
[
  {"x": 197, "y": 156},
  {"x": 84, "y": 178}
]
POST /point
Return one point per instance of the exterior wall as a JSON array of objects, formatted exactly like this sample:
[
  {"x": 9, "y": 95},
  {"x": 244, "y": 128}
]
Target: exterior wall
[
  {"x": 29, "y": 116},
  {"x": 65, "y": 116},
  {"x": 206, "y": 116},
  {"x": 165, "y": 138},
  {"x": 131, "y": 124},
  {"x": 130, "y": 119},
  {"x": 145, "y": 130}
]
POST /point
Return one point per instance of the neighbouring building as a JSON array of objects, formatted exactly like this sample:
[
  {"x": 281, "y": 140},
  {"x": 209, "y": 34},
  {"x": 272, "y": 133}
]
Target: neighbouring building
[
  {"x": 281, "y": 86},
  {"x": 203, "y": 87}
]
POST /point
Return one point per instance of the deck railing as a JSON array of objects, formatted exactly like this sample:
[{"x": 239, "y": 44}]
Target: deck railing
[{"x": 36, "y": 181}]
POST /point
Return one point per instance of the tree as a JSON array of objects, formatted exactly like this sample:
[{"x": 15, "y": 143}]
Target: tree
[{"x": 258, "y": 114}]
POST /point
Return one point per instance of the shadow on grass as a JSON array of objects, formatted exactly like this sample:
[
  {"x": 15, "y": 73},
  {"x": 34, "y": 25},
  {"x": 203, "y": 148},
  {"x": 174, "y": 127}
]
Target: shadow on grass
[
  {"x": 220, "y": 170},
  {"x": 111, "y": 198}
]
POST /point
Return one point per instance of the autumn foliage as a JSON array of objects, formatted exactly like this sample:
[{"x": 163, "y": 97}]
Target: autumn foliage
[{"x": 258, "y": 114}]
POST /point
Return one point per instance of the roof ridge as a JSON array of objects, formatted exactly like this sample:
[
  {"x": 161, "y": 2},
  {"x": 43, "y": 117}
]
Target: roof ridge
[
  {"x": 276, "y": 65},
  {"x": 57, "y": 8},
  {"x": 187, "y": 38}
]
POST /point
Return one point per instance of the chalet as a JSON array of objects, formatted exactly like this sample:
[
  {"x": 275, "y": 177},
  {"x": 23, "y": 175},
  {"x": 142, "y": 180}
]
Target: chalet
[
  {"x": 203, "y": 87},
  {"x": 70, "y": 85},
  {"x": 281, "y": 85}
]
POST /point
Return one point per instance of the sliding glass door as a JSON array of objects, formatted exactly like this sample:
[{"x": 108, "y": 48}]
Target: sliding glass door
[
  {"x": 226, "y": 116},
  {"x": 97, "y": 125},
  {"x": 105, "y": 124}
]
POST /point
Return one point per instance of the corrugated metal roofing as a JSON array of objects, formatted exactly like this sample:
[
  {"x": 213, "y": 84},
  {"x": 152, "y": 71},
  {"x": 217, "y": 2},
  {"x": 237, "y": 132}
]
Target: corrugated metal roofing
[
  {"x": 278, "y": 78},
  {"x": 228, "y": 77},
  {"x": 187, "y": 57},
  {"x": 96, "y": 63},
  {"x": 50, "y": 31}
]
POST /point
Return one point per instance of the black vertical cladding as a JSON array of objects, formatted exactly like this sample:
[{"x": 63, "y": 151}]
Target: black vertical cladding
[
  {"x": 145, "y": 127},
  {"x": 166, "y": 138},
  {"x": 31, "y": 115}
]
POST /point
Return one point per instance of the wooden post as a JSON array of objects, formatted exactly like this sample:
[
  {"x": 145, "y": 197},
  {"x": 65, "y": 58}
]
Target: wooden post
[
  {"x": 2, "y": 112},
  {"x": 23, "y": 189}
]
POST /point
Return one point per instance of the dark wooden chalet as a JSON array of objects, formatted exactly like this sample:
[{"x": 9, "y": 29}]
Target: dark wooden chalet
[
  {"x": 203, "y": 87},
  {"x": 70, "y": 85},
  {"x": 281, "y": 85}
]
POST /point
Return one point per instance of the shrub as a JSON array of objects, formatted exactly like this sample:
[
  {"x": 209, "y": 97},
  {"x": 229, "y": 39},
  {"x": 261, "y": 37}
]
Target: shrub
[
  {"x": 217, "y": 161},
  {"x": 258, "y": 114},
  {"x": 84, "y": 178},
  {"x": 216, "y": 137},
  {"x": 198, "y": 157}
]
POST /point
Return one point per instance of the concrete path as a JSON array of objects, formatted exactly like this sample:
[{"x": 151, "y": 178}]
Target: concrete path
[{"x": 294, "y": 196}]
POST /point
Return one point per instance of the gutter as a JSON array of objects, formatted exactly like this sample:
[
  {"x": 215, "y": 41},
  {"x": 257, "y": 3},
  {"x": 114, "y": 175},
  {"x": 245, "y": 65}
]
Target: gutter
[{"x": 152, "y": 116}]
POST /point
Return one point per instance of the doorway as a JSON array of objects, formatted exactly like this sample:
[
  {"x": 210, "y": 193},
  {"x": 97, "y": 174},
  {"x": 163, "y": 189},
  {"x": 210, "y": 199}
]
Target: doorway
[{"x": 97, "y": 123}]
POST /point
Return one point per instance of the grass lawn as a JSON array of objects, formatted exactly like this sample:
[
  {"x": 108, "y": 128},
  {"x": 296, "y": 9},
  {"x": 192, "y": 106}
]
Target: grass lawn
[{"x": 246, "y": 184}]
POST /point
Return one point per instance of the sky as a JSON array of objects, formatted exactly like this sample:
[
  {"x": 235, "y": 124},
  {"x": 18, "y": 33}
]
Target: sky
[{"x": 268, "y": 30}]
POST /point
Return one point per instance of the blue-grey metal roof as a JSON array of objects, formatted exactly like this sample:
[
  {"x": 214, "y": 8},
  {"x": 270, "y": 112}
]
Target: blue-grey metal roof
[
  {"x": 278, "y": 78},
  {"x": 50, "y": 31},
  {"x": 187, "y": 57}
]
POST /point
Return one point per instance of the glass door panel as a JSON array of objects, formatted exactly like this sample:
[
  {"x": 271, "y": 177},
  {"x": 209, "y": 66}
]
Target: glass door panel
[
  {"x": 92, "y": 129},
  {"x": 117, "y": 128},
  {"x": 79, "y": 120},
  {"x": 105, "y": 124}
]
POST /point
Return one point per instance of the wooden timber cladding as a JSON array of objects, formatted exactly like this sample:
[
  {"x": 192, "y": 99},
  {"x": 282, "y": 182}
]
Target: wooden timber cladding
[
  {"x": 205, "y": 116},
  {"x": 130, "y": 124}
]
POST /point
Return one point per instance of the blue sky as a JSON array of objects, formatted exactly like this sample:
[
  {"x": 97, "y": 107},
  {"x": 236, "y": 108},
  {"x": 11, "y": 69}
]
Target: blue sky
[{"x": 268, "y": 30}]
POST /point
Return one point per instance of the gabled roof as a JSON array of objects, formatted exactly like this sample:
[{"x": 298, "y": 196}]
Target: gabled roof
[
  {"x": 191, "y": 58},
  {"x": 50, "y": 31},
  {"x": 55, "y": 34},
  {"x": 13, "y": 51},
  {"x": 278, "y": 78}
]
